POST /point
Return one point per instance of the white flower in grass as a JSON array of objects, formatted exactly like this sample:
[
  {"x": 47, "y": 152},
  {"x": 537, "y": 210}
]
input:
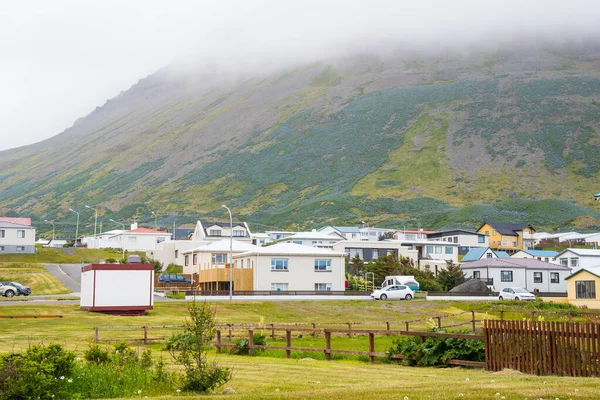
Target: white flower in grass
[
  {"x": 139, "y": 392},
  {"x": 70, "y": 381},
  {"x": 503, "y": 397},
  {"x": 277, "y": 389},
  {"x": 545, "y": 383},
  {"x": 497, "y": 394},
  {"x": 405, "y": 397},
  {"x": 467, "y": 380},
  {"x": 493, "y": 381},
  {"x": 62, "y": 377},
  {"x": 557, "y": 398},
  {"x": 460, "y": 395},
  {"x": 78, "y": 359},
  {"x": 178, "y": 390},
  {"x": 576, "y": 390}
]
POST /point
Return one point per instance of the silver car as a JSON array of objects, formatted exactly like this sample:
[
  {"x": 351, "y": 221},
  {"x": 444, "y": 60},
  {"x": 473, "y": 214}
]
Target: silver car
[
  {"x": 7, "y": 290},
  {"x": 515, "y": 293}
]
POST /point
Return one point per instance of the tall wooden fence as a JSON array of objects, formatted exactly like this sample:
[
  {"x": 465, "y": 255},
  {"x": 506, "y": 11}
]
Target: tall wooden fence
[{"x": 543, "y": 348}]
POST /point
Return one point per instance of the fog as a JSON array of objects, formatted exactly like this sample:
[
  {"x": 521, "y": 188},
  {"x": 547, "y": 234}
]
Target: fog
[{"x": 61, "y": 59}]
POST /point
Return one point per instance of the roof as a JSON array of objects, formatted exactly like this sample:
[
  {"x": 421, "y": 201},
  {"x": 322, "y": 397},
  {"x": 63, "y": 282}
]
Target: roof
[
  {"x": 313, "y": 236},
  {"x": 224, "y": 246},
  {"x": 592, "y": 270},
  {"x": 581, "y": 252},
  {"x": 541, "y": 253},
  {"x": 292, "y": 249},
  {"x": 16, "y": 220},
  {"x": 502, "y": 254},
  {"x": 526, "y": 263},
  {"x": 474, "y": 254},
  {"x": 453, "y": 232},
  {"x": 347, "y": 229},
  {"x": 4, "y": 224},
  {"x": 506, "y": 229},
  {"x": 181, "y": 233},
  {"x": 146, "y": 230},
  {"x": 222, "y": 224}
]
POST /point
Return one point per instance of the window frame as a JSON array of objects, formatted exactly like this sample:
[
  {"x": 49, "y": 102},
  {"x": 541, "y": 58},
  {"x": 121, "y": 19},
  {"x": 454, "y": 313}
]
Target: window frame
[
  {"x": 585, "y": 290},
  {"x": 327, "y": 287},
  {"x": 284, "y": 264},
  {"x": 322, "y": 268},
  {"x": 502, "y": 279},
  {"x": 554, "y": 277},
  {"x": 222, "y": 256},
  {"x": 538, "y": 277},
  {"x": 20, "y": 233}
]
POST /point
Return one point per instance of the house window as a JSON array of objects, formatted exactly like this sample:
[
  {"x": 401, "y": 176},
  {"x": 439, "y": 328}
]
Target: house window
[
  {"x": 132, "y": 239},
  {"x": 410, "y": 237},
  {"x": 1, "y": 248},
  {"x": 537, "y": 277},
  {"x": 554, "y": 278},
  {"x": 375, "y": 253},
  {"x": 176, "y": 253},
  {"x": 455, "y": 239},
  {"x": 297, "y": 241},
  {"x": 187, "y": 260},
  {"x": 279, "y": 264},
  {"x": 494, "y": 233},
  {"x": 585, "y": 289},
  {"x": 546, "y": 259},
  {"x": 487, "y": 233},
  {"x": 564, "y": 262},
  {"x": 438, "y": 249},
  {"x": 449, "y": 250},
  {"x": 353, "y": 252},
  {"x": 219, "y": 258},
  {"x": 429, "y": 249},
  {"x": 2, "y": 233},
  {"x": 20, "y": 233},
  {"x": 279, "y": 286},
  {"x": 239, "y": 233},
  {"x": 506, "y": 276},
  {"x": 488, "y": 255},
  {"x": 574, "y": 262},
  {"x": 476, "y": 274},
  {"x": 242, "y": 264},
  {"x": 160, "y": 239},
  {"x": 323, "y": 265},
  {"x": 480, "y": 239},
  {"x": 195, "y": 259},
  {"x": 20, "y": 248},
  {"x": 215, "y": 232},
  {"x": 323, "y": 287}
]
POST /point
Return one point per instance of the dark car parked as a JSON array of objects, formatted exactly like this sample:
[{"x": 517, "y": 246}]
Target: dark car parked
[
  {"x": 20, "y": 289},
  {"x": 173, "y": 278}
]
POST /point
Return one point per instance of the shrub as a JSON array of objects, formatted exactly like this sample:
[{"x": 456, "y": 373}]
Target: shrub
[
  {"x": 97, "y": 355},
  {"x": 241, "y": 346},
  {"x": 174, "y": 269}
]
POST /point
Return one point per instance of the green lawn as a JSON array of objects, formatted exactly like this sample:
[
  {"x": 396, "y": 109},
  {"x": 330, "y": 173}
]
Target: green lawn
[
  {"x": 64, "y": 255},
  {"x": 33, "y": 275}
]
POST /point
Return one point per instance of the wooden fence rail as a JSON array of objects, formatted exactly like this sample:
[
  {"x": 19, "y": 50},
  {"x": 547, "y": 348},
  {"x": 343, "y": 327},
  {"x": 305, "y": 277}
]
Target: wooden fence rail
[
  {"x": 328, "y": 350},
  {"x": 543, "y": 348}
]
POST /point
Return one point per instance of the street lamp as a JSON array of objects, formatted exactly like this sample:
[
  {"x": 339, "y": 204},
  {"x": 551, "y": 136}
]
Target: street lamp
[
  {"x": 155, "y": 216},
  {"x": 95, "y": 218},
  {"x": 122, "y": 237},
  {"x": 230, "y": 252},
  {"x": 76, "y": 226},
  {"x": 52, "y": 228}
]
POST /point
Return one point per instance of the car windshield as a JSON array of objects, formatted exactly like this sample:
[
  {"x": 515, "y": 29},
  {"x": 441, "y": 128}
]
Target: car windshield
[{"x": 520, "y": 290}]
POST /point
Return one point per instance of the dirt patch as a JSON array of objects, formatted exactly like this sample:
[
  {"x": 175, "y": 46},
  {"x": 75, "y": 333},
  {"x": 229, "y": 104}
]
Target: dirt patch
[
  {"x": 509, "y": 371},
  {"x": 307, "y": 359}
]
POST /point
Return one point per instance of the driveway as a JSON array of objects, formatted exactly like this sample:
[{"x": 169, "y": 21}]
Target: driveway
[{"x": 68, "y": 274}]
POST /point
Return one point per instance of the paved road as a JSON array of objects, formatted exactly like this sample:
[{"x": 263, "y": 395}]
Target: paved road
[{"x": 68, "y": 274}]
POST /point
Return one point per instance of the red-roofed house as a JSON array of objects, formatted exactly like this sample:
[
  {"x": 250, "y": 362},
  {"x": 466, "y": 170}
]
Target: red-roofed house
[
  {"x": 14, "y": 220},
  {"x": 140, "y": 238}
]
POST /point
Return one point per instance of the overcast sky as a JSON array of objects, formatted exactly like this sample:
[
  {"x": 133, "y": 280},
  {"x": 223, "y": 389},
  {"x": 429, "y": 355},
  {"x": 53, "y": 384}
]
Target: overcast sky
[{"x": 60, "y": 59}]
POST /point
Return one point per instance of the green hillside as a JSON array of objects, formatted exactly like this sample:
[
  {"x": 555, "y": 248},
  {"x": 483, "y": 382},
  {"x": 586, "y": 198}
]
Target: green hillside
[{"x": 509, "y": 136}]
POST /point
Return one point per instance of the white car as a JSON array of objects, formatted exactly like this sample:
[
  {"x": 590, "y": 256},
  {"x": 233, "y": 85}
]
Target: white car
[
  {"x": 395, "y": 292},
  {"x": 515, "y": 293}
]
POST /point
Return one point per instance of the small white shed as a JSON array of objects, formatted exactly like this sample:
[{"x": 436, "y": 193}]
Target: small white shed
[{"x": 117, "y": 288}]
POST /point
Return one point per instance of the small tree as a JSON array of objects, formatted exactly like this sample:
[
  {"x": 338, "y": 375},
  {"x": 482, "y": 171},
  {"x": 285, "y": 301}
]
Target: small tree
[
  {"x": 451, "y": 276},
  {"x": 190, "y": 349}
]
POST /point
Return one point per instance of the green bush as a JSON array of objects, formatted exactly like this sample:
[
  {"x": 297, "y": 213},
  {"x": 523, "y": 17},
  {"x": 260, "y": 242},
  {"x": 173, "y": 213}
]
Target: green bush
[
  {"x": 111, "y": 260},
  {"x": 174, "y": 269},
  {"x": 241, "y": 346},
  {"x": 436, "y": 350}
]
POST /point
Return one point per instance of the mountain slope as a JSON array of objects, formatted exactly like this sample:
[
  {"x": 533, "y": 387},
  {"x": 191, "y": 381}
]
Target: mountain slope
[{"x": 378, "y": 138}]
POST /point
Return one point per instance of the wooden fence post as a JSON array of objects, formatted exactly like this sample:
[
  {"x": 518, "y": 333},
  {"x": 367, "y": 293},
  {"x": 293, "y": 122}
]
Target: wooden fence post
[
  {"x": 229, "y": 325},
  {"x": 314, "y": 326},
  {"x": 96, "y": 334},
  {"x": 371, "y": 347},
  {"x": 502, "y": 315},
  {"x": 533, "y": 315},
  {"x": 218, "y": 345},
  {"x": 288, "y": 343},
  {"x": 473, "y": 320},
  {"x": 387, "y": 325},
  {"x": 349, "y": 329},
  {"x": 145, "y": 334},
  {"x": 327, "y": 345},
  {"x": 439, "y": 322},
  {"x": 250, "y": 341},
  {"x": 272, "y": 331},
  {"x": 406, "y": 326}
]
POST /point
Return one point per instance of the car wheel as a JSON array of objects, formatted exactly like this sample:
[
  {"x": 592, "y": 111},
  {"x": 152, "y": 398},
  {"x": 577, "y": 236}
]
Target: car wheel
[
  {"x": 517, "y": 298},
  {"x": 500, "y": 298},
  {"x": 383, "y": 297},
  {"x": 408, "y": 297},
  {"x": 9, "y": 293}
]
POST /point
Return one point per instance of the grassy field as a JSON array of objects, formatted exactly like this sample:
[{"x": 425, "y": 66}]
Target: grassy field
[
  {"x": 305, "y": 376},
  {"x": 33, "y": 275},
  {"x": 63, "y": 255}
]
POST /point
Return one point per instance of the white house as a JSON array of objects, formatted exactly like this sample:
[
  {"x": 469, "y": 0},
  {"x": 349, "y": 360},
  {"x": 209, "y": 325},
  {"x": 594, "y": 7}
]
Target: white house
[
  {"x": 371, "y": 250},
  {"x": 348, "y": 232},
  {"x": 462, "y": 237},
  {"x": 104, "y": 240},
  {"x": 291, "y": 267},
  {"x": 139, "y": 238},
  {"x": 16, "y": 238},
  {"x": 529, "y": 273},
  {"x": 542, "y": 255},
  {"x": 260, "y": 238},
  {"x": 432, "y": 255},
  {"x": 313, "y": 238},
  {"x": 412, "y": 235},
  {"x": 373, "y": 234},
  {"x": 213, "y": 255},
  {"x": 478, "y": 253},
  {"x": 215, "y": 231},
  {"x": 578, "y": 258}
]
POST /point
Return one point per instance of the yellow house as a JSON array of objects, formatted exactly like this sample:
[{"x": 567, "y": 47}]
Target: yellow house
[
  {"x": 581, "y": 287},
  {"x": 508, "y": 237}
]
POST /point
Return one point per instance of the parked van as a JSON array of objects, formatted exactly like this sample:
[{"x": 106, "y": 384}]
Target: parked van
[{"x": 407, "y": 280}]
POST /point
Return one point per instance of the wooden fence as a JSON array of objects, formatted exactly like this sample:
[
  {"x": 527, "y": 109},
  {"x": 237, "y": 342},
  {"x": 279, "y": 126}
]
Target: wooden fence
[
  {"x": 328, "y": 350},
  {"x": 543, "y": 348}
]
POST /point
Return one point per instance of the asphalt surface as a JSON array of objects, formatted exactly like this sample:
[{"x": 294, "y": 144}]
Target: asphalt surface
[{"x": 68, "y": 274}]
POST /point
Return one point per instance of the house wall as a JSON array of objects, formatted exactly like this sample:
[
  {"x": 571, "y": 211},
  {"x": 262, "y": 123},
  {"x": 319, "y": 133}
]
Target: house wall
[
  {"x": 348, "y": 235},
  {"x": 498, "y": 241},
  {"x": 522, "y": 254},
  {"x": 522, "y": 278},
  {"x": 171, "y": 252},
  {"x": 204, "y": 261},
  {"x": 464, "y": 240},
  {"x": 313, "y": 242},
  {"x": 135, "y": 242},
  {"x": 117, "y": 288},
  {"x": 582, "y": 261},
  {"x": 242, "y": 278},
  {"x": 572, "y": 294},
  {"x": 10, "y": 241},
  {"x": 300, "y": 274}
]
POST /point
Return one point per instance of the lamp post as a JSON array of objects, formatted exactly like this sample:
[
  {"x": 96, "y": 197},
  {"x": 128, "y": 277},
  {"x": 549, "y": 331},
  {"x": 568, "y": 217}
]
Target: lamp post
[
  {"x": 95, "y": 218},
  {"x": 155, "y": 217},
  {"x": 76, "y": 227},
  {"x": 122, "y": 237},
  {"x": 52, "y": 228},
  {"x": 230, "y": 252}
]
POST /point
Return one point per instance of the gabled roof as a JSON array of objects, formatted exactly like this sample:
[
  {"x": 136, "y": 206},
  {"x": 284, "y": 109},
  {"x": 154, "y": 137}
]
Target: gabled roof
[
  {"x": 224, "y": 247},
  {"x": 581, "y": 252},
  {"x": 522, "y": 263},
  {"x": 502, "y": 254},
  {"x": 143, "y": 231},
  {"x": 16, "y": 220},
  {"x": 541, "y": 253},
  {"x": 347, "y": 229},
  {"x": 475, "y": 253},
  {"x": 13, "y": 225},
  {"x": 453, "y": 232},
  {"x": 181, "y": 233},
  {"x": 592, "y": 270},
  {"x": 292, "y": 249},
  {"x": 313, "y": 236},
  {"x": 506, "y": 229},
  {"x": 222, "y": 224}
]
